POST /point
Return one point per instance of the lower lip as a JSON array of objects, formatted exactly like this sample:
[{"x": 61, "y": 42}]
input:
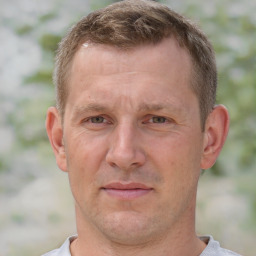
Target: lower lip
[{"x": 127, "y": 193}]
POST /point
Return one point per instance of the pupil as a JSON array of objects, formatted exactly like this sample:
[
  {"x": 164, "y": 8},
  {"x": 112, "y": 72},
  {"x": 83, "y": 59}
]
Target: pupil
[
  {"x": 159, "y": 119},
  {"x": 97, "y": 119}
]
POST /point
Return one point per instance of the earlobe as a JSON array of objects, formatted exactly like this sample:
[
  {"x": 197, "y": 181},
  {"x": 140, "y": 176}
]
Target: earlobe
[
  {"x": 216, "y": 130},
  {"x": 55, "y": 134}
]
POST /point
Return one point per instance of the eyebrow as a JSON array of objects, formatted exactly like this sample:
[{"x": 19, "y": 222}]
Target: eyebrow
[
  {"x": 89, "y": 108},
  {"x": 156, "y": 107},
  {"x": 151, "y": 107}
]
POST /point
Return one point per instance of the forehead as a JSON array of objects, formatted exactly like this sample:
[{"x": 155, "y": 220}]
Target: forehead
[
  {"x": 164, "y": 53},
  {"x": 145, "y": 73}
]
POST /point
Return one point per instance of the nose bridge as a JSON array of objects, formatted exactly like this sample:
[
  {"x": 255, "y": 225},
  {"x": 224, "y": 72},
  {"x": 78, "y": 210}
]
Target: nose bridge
[
  {"x": 124, "y": 150},
  {"x": 125, "y": 134}
]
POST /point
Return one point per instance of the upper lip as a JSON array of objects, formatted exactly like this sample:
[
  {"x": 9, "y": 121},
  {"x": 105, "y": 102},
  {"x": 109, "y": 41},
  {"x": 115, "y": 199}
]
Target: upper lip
[{"x": 126, "y": 186}]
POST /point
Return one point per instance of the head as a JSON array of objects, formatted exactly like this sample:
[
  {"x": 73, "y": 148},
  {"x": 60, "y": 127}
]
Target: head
[
  {"x": 128, "y": 24},
  {"x": 135, "y": 122}
]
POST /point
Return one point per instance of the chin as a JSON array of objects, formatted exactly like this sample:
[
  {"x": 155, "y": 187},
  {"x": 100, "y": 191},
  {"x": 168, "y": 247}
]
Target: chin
[{"x": 128, "y": 228}]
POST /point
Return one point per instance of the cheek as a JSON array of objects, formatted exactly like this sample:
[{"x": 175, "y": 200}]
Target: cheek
[
  {"x": 178, "y": 160},
  {"x": 84, "y": 150},
  {"x": 179, "y": 164},
  {"x": 84, "y": 159}
]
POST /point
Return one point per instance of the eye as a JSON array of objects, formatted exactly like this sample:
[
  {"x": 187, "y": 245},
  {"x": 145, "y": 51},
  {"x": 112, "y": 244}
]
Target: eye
[
  {"x": 96, "y": 122},
  {"x": 158, "y": 119},
  {"x": 97, "y": 119}
]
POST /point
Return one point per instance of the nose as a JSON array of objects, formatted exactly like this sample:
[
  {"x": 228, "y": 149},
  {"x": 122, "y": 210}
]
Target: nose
[{"x": 124, "y": 148}]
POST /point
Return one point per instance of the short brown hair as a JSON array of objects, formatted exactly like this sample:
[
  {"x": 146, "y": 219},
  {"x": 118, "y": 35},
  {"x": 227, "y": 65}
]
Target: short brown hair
[{"x": 130, "y": 23}]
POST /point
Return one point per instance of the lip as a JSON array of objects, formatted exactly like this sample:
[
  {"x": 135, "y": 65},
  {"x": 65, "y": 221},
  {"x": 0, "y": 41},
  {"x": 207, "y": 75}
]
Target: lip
[{"x": 126, "y": 191}]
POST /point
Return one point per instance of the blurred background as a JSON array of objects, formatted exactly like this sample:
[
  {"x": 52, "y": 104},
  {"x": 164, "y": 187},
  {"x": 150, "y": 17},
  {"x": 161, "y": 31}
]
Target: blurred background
[{"x": 36, "y": 208}]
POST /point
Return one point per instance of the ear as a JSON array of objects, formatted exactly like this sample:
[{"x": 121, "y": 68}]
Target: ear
[
  {"x": 215, "y": 134},
  {"x": 55, "y": 134}
]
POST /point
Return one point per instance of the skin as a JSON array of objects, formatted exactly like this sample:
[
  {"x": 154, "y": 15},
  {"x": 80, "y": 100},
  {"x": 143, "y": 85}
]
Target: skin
[{"x": 132, "y": 118}]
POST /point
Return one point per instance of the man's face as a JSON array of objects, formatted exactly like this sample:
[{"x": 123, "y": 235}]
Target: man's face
[{"x": 133, "y": 141}]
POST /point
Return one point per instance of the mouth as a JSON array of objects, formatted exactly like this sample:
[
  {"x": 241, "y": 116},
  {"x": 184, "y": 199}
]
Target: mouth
[{"x": 127, "y": 191}]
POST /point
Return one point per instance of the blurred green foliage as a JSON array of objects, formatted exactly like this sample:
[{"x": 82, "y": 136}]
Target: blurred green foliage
[
  {"x": 42, "y": 76},
  {"x": 47, "y": 16},
  {"x": 23, "y": 30},
  {"x": 18, "y": 218},
  {"x": 49, "y": 42}
]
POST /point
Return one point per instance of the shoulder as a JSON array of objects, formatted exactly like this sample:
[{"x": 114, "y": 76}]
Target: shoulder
[
  {"x": 213, "y": 248},
  {"x": 63, "y": 250}
]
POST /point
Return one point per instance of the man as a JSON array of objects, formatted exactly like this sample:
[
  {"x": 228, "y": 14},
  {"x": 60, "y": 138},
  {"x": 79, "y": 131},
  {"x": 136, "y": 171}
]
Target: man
[{"x": 135, "y": 123}]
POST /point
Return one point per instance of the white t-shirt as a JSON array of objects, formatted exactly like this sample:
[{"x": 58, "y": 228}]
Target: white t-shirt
[{"x": 212, "y": 249}]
